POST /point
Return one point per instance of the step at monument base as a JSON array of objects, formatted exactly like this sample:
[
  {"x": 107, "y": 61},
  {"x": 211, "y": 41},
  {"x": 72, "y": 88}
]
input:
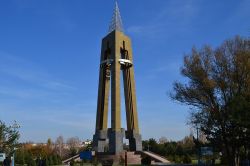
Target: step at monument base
[{"x": 114, "y": 159}]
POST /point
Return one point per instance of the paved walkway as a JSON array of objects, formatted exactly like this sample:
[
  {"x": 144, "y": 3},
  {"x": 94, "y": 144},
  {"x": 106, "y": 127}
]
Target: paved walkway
[{"x": 156, "y": 157}]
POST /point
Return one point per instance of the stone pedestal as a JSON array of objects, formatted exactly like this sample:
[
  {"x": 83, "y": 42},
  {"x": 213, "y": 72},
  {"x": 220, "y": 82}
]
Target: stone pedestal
[
  {"x": 135, "y": 141},
  {"x": 100, "y": 140},
  {"x": 133, "y": 158},
  {"x": 116, "y": 141}
]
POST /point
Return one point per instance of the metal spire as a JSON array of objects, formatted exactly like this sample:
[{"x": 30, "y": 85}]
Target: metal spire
[{"x": 116, "y": 22}]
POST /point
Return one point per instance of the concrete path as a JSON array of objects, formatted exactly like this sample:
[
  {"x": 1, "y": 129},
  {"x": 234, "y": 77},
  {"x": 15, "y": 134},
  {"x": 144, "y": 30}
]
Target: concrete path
[
  {"x": 156, "y": 157},
  {"x": 71, "y": 158}
]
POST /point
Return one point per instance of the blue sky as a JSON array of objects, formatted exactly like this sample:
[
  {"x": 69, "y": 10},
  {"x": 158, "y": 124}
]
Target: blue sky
[{"x": 50, "y": 51}]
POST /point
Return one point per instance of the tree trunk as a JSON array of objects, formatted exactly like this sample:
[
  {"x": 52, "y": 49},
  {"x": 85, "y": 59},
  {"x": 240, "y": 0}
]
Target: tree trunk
[
  {"x": 229, "y": 154},
  {"x": 232, "y": 156},
  {"x": 236, "y": 158}
]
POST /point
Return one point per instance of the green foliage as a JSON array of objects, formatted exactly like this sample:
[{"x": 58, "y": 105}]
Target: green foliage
[
  {"x": 41, "y": 153},
  {"x": 187, "y": 159},
  {"x": 9, "y": 136},
  {"x": 31, "y": 161},
  {"x": 59, "y": 160},
  {"x": 146, "y": 161},
  {"x": 56, "y": 160},
  {"x": 89, "y": 147},
  {"x": 178, "y": 152},
  {"x": 46, "y": 161},
  {"x": 73, "y": 151},
  {"x": 218, "y": 89},
  {"x": 20, "y": 157},
  {"x": 72, "y": 162},
  {"x": 50, "y": 160}
]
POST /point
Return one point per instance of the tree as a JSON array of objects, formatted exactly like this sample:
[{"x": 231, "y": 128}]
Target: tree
[
  {"x": 50, "y": 160},
  {"x": 175, "y": 151},
  {"x": 163, "y": 140},
  {"x": 74, "y": 144},
  {"x": 55, "y": 160},
  {"x": 49, "y": 144},
  {"x": 59, "y": 145},
  {"x": 153, "y": 146},
  {"x": 31, "y": 161},
  {"x": 9, "y": 136},
  {"x": 146, "y": 160},
  {"x": 218, "y": 91},
  {"x": 46, "y": 161},
  {"x": 20, "y": 157}
]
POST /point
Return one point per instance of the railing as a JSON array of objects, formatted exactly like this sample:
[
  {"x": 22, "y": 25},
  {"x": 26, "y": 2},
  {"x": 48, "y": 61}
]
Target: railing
[
  {"x": 71, "y": 158},
  {"x": 156, "y": 157}
]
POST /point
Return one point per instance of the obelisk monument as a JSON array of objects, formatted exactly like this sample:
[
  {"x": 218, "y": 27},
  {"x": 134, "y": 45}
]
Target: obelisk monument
[{"x": 116, "y": 60}]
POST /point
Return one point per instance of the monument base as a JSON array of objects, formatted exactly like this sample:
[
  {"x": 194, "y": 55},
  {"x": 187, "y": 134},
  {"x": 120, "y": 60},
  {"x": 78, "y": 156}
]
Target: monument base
[
  {"x": 108, "y": 141},
  {"x": 100, "y": 141},
  {"x": 133, "y": 158},
  {"x": 135, "y": 140},
  {"x": 116, "y": 141}
]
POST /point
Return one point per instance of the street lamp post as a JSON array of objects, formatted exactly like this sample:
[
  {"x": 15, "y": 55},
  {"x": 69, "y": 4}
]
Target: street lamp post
[
  {"x": 13, "y": 157},
  {"x": 198, "y": 145}
]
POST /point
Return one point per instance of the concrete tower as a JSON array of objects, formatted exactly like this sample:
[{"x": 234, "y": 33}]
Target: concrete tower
[{"x": 116, "y": 59}]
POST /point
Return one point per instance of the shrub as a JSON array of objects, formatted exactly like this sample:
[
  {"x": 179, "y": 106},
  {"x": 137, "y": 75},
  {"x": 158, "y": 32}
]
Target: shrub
[{"x": 146, "y": 161}]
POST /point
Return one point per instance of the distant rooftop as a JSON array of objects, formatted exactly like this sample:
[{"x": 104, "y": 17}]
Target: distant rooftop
[{"x": 116, "y": 22}]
